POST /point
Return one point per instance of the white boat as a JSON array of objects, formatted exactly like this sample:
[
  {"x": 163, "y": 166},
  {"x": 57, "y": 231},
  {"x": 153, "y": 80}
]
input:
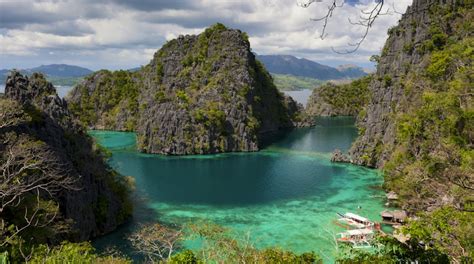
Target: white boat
[
  {"x": 357, "y": 237},
  {"x": 355, "y": 220}
]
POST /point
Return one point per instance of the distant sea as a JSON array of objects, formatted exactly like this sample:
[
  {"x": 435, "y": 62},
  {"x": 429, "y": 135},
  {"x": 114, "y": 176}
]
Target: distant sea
[{"x": 62, "y": 90}]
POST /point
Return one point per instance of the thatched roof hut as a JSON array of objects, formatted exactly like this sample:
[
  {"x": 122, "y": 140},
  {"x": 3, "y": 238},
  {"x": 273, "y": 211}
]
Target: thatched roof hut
[{"x": 394, "y": 217}]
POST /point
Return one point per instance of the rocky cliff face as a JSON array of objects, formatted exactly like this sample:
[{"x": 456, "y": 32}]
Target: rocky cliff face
[
  {"x": 418, "y": 123},
  {"x": 404, "y": 59},
  {"x": 199, "y": 94},
  {"x": 98, "y": 202},
  {"x": 339, "y": 100}
]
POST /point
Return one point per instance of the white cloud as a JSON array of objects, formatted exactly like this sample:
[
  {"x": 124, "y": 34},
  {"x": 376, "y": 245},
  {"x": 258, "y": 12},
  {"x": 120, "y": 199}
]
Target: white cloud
[{"x": 120, "y": 32}]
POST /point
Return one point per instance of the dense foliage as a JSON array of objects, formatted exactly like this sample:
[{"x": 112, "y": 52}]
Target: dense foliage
[
  {"x": 431, "y": 162},
  {"x": 433, "y": 165},
  {"x": 217, "y": 244},
  {"x": 74, "y": 253},
  {"x": 343, "y": 99},
  {"x": 50, "y": 170},
  {"x": 114, "y": 94}
]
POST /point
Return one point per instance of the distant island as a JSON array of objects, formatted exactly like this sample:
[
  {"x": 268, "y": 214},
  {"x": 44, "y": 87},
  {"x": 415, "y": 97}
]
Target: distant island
[{"x": 57, "y": 74}]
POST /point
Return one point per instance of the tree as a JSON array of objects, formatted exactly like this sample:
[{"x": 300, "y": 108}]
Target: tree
[
  {"x": 11, "y": 114},
  {"x": 31, "y": 175},
  {"x": 156, "y": 241},
  {"x": 221, "y": 245}
]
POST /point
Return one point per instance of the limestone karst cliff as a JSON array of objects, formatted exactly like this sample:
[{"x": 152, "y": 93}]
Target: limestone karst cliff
[
  {"x": 339, "y": 99},
  {"x": 199, "y": 94},
  {"x": 57, "y": 162},
  {"x": 418, "y": 125}
]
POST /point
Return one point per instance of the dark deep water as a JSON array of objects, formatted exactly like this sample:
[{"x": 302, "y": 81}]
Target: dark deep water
[{"x": 286, "y": 195}]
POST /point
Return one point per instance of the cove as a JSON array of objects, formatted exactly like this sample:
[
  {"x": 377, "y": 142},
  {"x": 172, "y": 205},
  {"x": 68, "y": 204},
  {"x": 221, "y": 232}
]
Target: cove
[{"x": 285, "y": 195}]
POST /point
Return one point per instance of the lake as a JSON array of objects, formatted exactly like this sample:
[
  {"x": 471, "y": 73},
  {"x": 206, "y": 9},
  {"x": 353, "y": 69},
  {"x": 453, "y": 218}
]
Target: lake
[{"x": 286, "y": 195}]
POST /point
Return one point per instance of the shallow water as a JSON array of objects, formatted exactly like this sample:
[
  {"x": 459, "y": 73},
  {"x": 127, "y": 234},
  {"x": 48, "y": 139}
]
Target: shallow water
[{"x": 286, "y": 195}]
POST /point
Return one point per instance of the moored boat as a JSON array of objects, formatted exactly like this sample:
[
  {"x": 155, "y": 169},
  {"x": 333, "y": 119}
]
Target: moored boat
[
  {"x": 357, "y": 237},
  {"x": 355, "y": 220}
]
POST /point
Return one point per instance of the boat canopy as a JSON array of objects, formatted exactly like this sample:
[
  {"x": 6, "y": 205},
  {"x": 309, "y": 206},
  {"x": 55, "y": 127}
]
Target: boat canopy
[
  {"x": 356, "y": 217},
  {"x": 359, "y": 232}
]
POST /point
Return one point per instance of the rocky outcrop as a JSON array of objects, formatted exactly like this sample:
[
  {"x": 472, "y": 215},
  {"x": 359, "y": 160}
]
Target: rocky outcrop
[
  {"x": 407, "y": 51},
  {"x": 339, "y": 100},
  {"x": 338, "y": 156},
  {"x": 418, "y": 123},
  {"x": 199, "y": 94},
  {"x": 99, "y": 201}
]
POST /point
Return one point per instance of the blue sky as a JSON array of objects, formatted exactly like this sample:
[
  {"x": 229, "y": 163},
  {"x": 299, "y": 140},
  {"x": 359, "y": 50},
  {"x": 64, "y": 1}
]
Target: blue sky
[{"x": 117, "y": 34}]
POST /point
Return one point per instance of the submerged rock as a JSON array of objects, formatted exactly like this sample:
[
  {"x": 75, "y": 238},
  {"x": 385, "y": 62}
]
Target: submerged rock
[
  {"x": 199, "y": 94},
  {"x": 338, "y": 156}
]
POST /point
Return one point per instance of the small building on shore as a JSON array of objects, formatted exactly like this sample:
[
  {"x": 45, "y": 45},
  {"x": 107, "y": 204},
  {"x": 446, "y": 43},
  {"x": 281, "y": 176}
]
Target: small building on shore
[{"x": 394, "y": 217}]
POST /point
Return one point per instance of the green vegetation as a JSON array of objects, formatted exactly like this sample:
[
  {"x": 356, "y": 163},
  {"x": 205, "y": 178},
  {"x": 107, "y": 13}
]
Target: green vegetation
[
  {"x": 74, "y": 253},
  {"x": 431, "y": 166},
  {"x": 115, "y": 93},
  {"x": 221, "y": 245},
  {"x": 388, "y": 250},
  {"x": 44, "y": 158},
  {"x": 218, "y": 93},
  {"x": 218, "y": 244},
  {"x": 211, "y": 116},
  {"x": 343, "y": 99},
  {"x": 287, "y": 82}
]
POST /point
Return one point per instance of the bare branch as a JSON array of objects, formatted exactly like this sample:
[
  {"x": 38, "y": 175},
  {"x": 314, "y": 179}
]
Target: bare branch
[
  {"x": 366, "y": 20},
  {"x": 11, "y": 114},
  {"x": 30, "y": 176},
  {"x": 156, "y": 241}
]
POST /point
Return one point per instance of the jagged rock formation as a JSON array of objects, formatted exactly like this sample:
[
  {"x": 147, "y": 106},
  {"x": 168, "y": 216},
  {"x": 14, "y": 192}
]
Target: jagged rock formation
[
  {"x": 199, "y": 94},
  {"x": 338, "y": 156},
  {"x": 418, "y": 124},
  {"x": 407, "y": 50},
  {"x": 339, "y": 100},
  {"x": 39, "y": 122}
]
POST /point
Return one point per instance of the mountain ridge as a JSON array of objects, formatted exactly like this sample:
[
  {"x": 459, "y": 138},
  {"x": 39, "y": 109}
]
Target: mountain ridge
[
  {"x": 57, "y": 74},
  {"x": 289, "y": 64},
  {"x": 59, "y": 70}
]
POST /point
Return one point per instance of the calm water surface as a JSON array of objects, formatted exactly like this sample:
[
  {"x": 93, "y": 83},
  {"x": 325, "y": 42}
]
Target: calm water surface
[{"x": 286, "y": 195}]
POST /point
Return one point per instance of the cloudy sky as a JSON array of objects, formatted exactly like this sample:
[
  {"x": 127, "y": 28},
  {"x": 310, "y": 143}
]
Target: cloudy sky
[{"x": 120, "y": 34}]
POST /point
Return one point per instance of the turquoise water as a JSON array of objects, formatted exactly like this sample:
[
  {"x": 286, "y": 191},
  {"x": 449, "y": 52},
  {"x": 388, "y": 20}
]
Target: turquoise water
[{"x": 286, "y": 195}]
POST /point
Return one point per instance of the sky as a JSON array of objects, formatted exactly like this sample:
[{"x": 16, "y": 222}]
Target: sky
[{"x": 122, "y": 34}]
